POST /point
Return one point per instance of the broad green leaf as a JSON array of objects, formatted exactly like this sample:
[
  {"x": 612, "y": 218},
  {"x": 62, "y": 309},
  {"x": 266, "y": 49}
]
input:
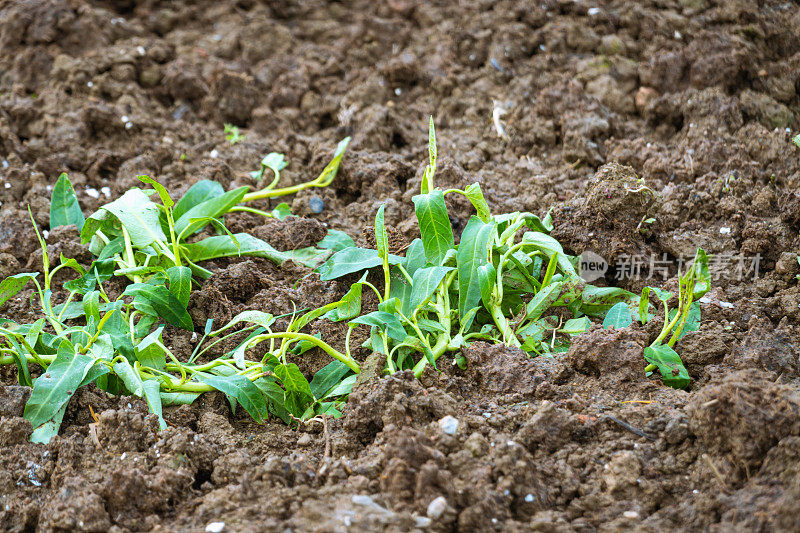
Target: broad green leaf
[
  {"x": 177, "y": 398},
  {"x": 702, "y": 278},
  {"x": 692, "y": 319},
  {"x": 223, "y": 246},
  {"x": 275, "y": 396},
  {"x": 281, "y": 211},
  {"x": 241, "y": 389},
  {"x": 575, "y": 326},
  {"x": 163, "y": 303},
  {"x": 53, "y": 389},
  {"x": 129, "y": 377},
  {"x": 618, "y": 317},
  {"x": 91, "y": 306},
  {"x": 213, "y": 208},
  {"x": 166, "y": 201},
  {"x": 297, "y": 389},
  {"x": 198, "y": 193},
  {"x": 549, "y": 246},
  {"x": 149, "y": 352},
  {"x": 434, "y": 225},
  {"x": 336, "y": 240},
  {"x": 310, "y": 256},
  {"x": 473, "y": 252},
  {"x": 400, "y": 287},
  {"x": 49, "y": 429},
  {"x": 139, "y": 216},
  {"x": 425, "y": 281},
  {"x": 487, "y": 279},
  {"x": 152, "y": 393},
  {"x": 350, "y": 304},
  {"x": 259, "y": 318},
  {"x": 343, "y": 387},
  {"x": 381, "y": 238},
  {"x": 385, "y": 322},
  {"x": 180, "y": 283},
  {"x": 352, "y": 260},
  {"x": 475, "y": 195},
  {"x": 327, "y": 377},
  {"x": 64, "y": 207},
  {"x": 101, "y": 270},
  {"x": 18, "y": 354},
  {"x": 10, "y": 286},
  {"x": 543, "y": 300},
  {"x": 669, "y": 363},
  {"x": 595, "y": 301}
]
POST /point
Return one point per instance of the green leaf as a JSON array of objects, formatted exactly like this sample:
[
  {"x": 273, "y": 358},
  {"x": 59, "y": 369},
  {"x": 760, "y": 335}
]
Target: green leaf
[
  {"x": 163, "y": 302},
  {"x": 178, "y": 398},
  {"x": 211, "y": 208},
  {"x": 425, "y": 282},
  {"x": 198, "y": 193},
  {"x": 644, "y": 305},
  {"x": 276, "y": 397},
  {"x": 692, "y": 319},
  {"x": 129, "y": 377},
  {"x": 543, "y": 300},
  {"x": 298, "y": 391},
  {"x": 669, "y": 363},
  {"x": 431, "y": 143},
  {"x": 18, "y": 354},
  {"x": 487, "y": 279},
  {"x": 702, "y": 279},
  {"x": 149, "y": 351},
  {"x": 336, "y": 240},
  {"x": 352, "y": 260},
  {"x": 549, "y": 246},
  {"x": 241, "y": 389},
  {"x": 473, "y": 252},
  {"x": 310, "y": 256},
  {"x": 475, "y": 195},
  {"x": 434, "y": 225},
  {"x": 180, "y": 283},
  {"x": 385, "y": 322},
  {"x": 138, "y": 215},
  {"x": 575, "y": 326},
  {"x": 223, "y": 246},
  {"x": 53, "y": 389},
  {"x": 64, "y": 207},
  {"x": 152, "y": 393},
  {"x": 327, "y": 377},
  {"x": 381, "y": 238},
  {"x": 343, "y": 387},
  {"x": 350, "y": 304},
  {"x": 281, "y": 211},
  {"x": 49, "y": 429},
  {"x": 166, "y": 201},
  {"x": 618, "y": 317},
  {"x": 265, "y": 320},
  {"x": 328, "y": 174},
  {"x": 595, "y": 301},
  {"x": 10, "y": 286}
]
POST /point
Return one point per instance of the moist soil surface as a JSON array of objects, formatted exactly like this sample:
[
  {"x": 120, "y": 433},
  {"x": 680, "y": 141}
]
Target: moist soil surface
[{"x": 557, "y": 103}]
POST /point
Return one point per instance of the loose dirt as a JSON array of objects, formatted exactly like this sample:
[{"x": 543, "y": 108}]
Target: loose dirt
[{"x": 697, "y": 98}]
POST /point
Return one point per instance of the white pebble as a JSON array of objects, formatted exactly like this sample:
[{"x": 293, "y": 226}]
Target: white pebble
[
  {"x": 677, "y": 34},
  {"x": 45, "y": 234},
  {"x": 128, "y": 125},
  {"x": 7, "y": 185},
  {"x": 94, "y": 193},
  {"x": 90, "y": 84},
  {"x": 5, "y": 163},
  {"x": 125, "y": 118},
  {"x": 593, "y": 11},
  {"x": 630, "y": 514},
  {"x": 695, "y": 491},
  {"x": 106, "y": 191},
  {"x": 437, "y": 507},
  {"x": 724, "y": 231},
  {"x": 141, "y": 50},
  {"x": 215, "y": 527},
  {"x": 123, "y": 456},
  {"x": 529, "y": 498},
  {"x": 214, "y": 153},
  {"x": 398, "y": 91},
  {"x": 448, "y": 425},
  {"x": 726, "y": 305}
]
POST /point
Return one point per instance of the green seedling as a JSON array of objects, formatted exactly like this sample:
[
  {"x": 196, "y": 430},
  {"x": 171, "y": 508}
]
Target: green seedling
[{"x": 232, "y": 134}]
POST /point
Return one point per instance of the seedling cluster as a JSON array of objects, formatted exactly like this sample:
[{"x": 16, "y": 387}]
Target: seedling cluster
[{"x": 507, "y": 281}]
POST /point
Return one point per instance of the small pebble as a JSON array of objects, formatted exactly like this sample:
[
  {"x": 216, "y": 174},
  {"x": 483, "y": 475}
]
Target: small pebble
[
  {"x": 215, "y": 527},
  {"x": 724, "y": 230},
  {"x": 45, "y": 234},
  {"x": 141, "y": 50},
  {"x": 316, "y": 204},
  {"x": 125, "y": 118},
  {"x": 529, "y": 498},
  {"x": 7, "y": 185},
  {"x": 448, "y": 425},
  {"x": 90, "y": 84},
  {"x": 93, "y": 193},
  {"x": 593, "y": 11},
  {"x": 630, "y": 514},
  {"x": 5, "y": 163},
  {"x": 398, "y": 91},
  {"x": 128, "y": 125},
  {"x": 106, "y": 191},
  {"x": 437, "y": 508},
  {"x": 213, "y": 153},
  {"x": 304, "y": 440}
]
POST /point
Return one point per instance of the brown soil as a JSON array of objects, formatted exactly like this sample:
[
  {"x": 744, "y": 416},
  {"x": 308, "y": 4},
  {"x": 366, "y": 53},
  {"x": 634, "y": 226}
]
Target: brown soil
[{"x": 697, "y": 97}]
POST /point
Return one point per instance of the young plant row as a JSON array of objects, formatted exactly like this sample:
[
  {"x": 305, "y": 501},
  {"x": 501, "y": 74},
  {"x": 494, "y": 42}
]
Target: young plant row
[{"x": 507, "y": 281}]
